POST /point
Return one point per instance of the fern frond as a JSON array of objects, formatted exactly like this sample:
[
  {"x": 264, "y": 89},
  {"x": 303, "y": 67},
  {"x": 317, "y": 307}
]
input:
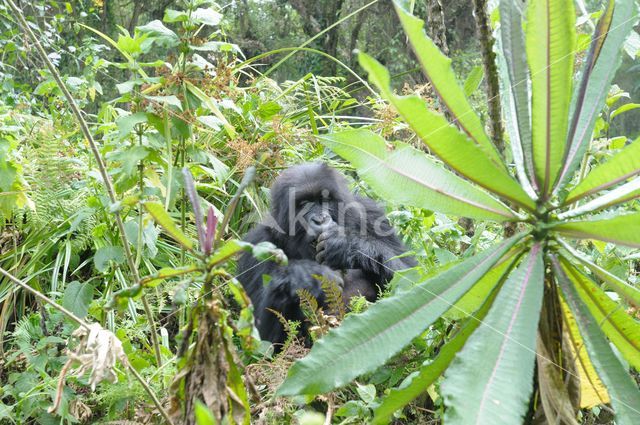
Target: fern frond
[
  {"x": 290, "y": 328},
  {"x": 309, "y": 306},
  {"x": 335, "y": 302}
]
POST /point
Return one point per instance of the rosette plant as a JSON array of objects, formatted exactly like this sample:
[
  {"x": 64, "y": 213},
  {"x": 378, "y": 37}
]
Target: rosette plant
[{"x": 537, "y": 314}]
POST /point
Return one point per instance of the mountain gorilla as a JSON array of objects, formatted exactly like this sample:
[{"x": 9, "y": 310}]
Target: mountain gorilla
[{"x": 324, "y": 230}]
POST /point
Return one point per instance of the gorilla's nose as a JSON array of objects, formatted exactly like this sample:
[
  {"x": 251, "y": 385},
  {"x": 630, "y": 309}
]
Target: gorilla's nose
[{"x": 320, "y": 219}]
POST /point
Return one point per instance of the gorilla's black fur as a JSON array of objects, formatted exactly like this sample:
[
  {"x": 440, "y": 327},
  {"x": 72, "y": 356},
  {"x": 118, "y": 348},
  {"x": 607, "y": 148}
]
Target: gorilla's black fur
[{"x": 325, "y": 230}]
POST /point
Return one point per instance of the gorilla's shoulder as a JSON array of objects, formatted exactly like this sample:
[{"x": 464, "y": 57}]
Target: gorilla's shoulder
[
  {"x": 260, "y": 233},
  {"x": 373, "y": 208}
]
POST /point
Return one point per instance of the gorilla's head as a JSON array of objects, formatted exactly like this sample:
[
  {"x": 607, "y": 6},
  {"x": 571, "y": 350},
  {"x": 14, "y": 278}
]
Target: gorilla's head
[{"x": 305, "y": 199}]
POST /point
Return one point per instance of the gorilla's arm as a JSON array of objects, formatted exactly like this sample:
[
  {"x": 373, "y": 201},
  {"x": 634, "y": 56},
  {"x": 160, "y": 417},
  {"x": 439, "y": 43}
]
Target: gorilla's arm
[
  {"x": 366, "y": 241},
  {"x": 280, "y": 292}
]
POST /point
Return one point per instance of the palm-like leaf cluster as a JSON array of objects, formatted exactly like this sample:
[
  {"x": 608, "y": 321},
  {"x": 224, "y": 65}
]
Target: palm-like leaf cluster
[{"x": 490, "y": 362}]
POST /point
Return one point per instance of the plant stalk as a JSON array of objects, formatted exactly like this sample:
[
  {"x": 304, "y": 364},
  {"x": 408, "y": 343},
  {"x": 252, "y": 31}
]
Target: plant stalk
[
  {"x": 101, "y": 166},
  {"x": 483, "y": 28},
  {"x": 85, "y": 325},
  {"x": 44, "y": 298}
]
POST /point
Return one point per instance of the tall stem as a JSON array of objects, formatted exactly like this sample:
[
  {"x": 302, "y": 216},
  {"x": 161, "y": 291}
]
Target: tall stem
[
  {"x": 483, "y": 28},
  {"x": 101, "y": 167},
  {"x": 139, "y": 244}
]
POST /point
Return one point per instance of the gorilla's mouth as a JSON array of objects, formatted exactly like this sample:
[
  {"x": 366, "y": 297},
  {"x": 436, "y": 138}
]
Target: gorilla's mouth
[{"x": 311, "y": 235}]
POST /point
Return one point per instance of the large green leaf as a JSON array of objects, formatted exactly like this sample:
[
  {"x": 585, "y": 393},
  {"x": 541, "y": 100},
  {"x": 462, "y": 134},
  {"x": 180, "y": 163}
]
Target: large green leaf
[
  {"x": 228, "y": 250},
  {"x": 514, "y": 77},
  {"x": 106, "y": 254},
  {"x": 592, "y": 390},
  {"x": 491, "y": 379},
  {"x": 77, "y": 298},
  {"x": 163, "y": 218},
  {"x": 550, "y": 45},
  {"x": 365, "y": 341},
  {"x": 161, "y": 34},
  {"x": 476, "y": 296},
  {"x": 437, "y": 68},
  {"x": 446, "y": 141},
  {"x": 623, "y": 391},
  {"x": 407, "y": 176},
  {"x": 622, "y": 288},
  {"x": 623, "y": 230},
  {"x": 598, "y": 71},
  {"x": 621, "y": 194},
  {"x": 622, "y": 166},
  {"x": 419, "y": 381},
  {"x": 616, "y": 324}
]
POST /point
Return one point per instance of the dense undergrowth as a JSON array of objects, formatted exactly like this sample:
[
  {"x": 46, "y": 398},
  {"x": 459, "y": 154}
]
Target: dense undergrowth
[{"x": 192, "y": 133}]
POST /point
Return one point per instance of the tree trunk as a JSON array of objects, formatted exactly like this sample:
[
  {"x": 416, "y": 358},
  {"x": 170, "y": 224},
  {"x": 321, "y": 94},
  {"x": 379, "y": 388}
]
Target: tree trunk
[
  {"x": 137, "y": 9},
  {"x": 332, "y": 37},
  {"x": 317, "y": 16},
  {"x": 243, "y": 18},
  {"x": 556, "y": 378},
  {"x": 485, "y": 37},
  {"x": 436, "y": 28},
  {"x": 310, "y": 24},
  {"x": 355, "y": 33}
]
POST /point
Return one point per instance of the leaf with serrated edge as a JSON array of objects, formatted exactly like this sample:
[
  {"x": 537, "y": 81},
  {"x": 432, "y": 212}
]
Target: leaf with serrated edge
[
  {"x": 77, "y": 297},
  {"x": 424, "y": 183},
  {"x": 623, "y": 391},
  {"x": 446, "y": 141},
  {"x": 433, "y": 368},
  {"x": 514, "y": 78},
  {"x": 550, "y": 43},
  {"x": 622, "y": 166},
  {"x": 365, "y": 341},
  {"x": 598, "y": 71},
  {"x": 622, "y": 230},
  {"x": 473, "y": 80},
  {"x": 592, "y": 390},
  {"x": 437, "y": 68},
  {"x": 491, "y": 378},
  {"x": 622, "y": 288},
  {"x": 616, "y": 324}
]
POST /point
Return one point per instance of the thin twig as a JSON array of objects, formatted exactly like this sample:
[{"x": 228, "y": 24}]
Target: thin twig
[
  {"x": 101, "y": 166},
  {"x": 85, "y": 325},
  {"x": 330, "y": 407},
  {"x": 153, "y": 395},
  {"x": 44, "y": 298}
]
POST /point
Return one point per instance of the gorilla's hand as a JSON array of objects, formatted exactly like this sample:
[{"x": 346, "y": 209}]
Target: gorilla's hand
[
  {"x": 304, "y": 277},
  {"x": 332, "y": 246}
]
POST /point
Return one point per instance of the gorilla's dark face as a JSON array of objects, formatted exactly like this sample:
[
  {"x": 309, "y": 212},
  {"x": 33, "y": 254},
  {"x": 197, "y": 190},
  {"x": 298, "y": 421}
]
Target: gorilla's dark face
[
  {"x": 316, "y": 216},
  {"x": 305, "y": 201}
]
